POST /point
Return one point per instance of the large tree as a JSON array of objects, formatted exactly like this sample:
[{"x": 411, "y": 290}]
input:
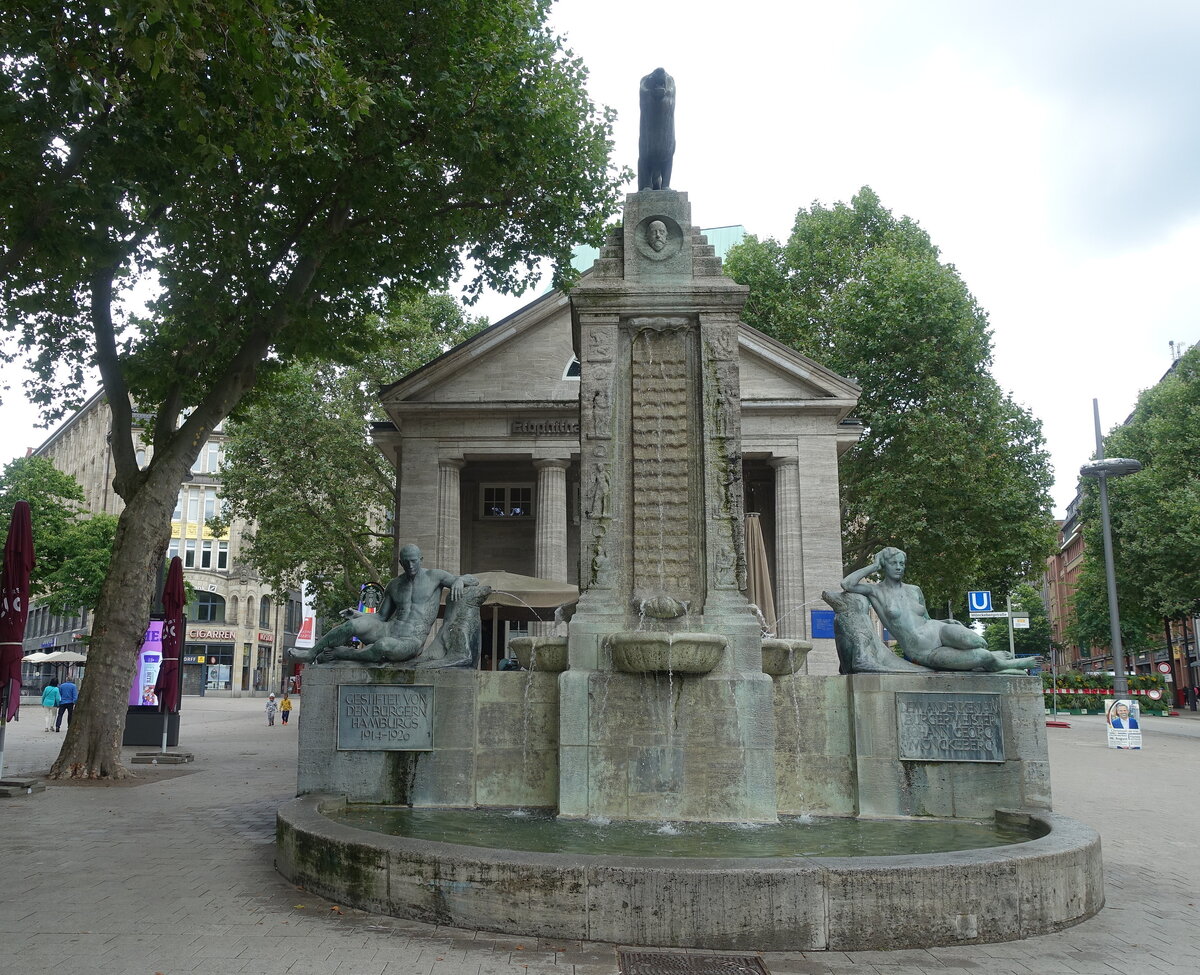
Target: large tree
[
  {"x": 300, "y": 466},
  {"x": 276, "y": 169},
  {"x": 1155, "y": 517},
  {"x": 950, "y": 468}
]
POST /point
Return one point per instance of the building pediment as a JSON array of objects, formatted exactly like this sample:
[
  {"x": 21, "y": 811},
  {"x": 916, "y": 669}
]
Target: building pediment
[
  {"x": 774, "y": 373},
  {"x": 524, "y": 359}
]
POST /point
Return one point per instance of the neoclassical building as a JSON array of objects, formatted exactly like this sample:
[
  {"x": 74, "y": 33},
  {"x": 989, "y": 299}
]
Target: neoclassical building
[{"x": 485, "y": 440}]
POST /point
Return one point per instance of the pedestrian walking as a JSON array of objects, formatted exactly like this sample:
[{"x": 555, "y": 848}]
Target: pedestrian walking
[
  {"x": 285, "y": 707},
  {"x": 68, "y": 694},
  {"x": 272, "y": 707},
  {"x": 50, "y": 699}
]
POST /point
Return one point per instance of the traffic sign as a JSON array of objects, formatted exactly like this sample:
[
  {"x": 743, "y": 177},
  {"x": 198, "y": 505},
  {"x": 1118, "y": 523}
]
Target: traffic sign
[
  {"x": 990, "y": 614},
  {"x": 1020, "y": 622},
  {"x": 979, "y": 601},
  {"x": 1164, "y": 668}
]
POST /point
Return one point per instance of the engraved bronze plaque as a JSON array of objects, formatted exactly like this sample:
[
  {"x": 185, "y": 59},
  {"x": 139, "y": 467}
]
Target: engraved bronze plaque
[
  {"x": 950, "y": 727},
  {"x": 385, "y": 717}
]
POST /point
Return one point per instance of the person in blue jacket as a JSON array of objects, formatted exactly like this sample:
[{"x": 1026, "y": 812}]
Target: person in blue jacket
[{"x": 68, "y": 694}]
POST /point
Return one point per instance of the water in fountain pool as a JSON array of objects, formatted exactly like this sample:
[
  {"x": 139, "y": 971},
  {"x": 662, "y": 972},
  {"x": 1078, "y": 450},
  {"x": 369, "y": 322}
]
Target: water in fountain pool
[{"x": 800, "y": 836}]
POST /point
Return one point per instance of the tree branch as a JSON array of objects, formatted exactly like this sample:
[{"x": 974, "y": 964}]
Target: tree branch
[{"x": 127, "y": 479}]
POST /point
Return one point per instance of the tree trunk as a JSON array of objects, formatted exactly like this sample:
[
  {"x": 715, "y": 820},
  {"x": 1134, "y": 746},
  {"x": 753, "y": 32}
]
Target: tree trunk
[{"x": 92, "y": 747}]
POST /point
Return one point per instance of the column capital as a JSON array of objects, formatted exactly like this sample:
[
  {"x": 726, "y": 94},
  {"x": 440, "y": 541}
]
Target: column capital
[
  {"x": 561, "y": 463},
  {"x": 455, "y": 463},
  {"x": 778, "y": 462}
]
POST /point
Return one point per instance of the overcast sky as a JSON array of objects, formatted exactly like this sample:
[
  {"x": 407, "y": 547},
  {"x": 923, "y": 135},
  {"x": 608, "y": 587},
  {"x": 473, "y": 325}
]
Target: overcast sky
[{"x": 1049, "y": 149}]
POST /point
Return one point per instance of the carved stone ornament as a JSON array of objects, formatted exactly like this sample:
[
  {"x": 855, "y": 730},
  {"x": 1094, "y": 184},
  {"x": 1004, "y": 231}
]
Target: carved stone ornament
[
  {"x": 599, "y": 486},
  {"x": 658, "y": 323},
  {"x": 658, "y": 237},
  {"x": 599, "y": 345},
  {"x": 723, "y": 342},
  {"x": 601, "y": 412}
]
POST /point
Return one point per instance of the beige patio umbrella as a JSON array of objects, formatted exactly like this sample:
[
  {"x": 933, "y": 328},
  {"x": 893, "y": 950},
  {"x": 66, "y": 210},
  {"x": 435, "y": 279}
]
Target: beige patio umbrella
[
  {"x": 758, "y": 572},
  {"x": 61, "y": 657}
]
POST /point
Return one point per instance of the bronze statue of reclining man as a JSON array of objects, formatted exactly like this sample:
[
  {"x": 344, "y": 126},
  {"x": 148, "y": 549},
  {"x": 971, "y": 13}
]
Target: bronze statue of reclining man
[{"x": 398, "y": 631}]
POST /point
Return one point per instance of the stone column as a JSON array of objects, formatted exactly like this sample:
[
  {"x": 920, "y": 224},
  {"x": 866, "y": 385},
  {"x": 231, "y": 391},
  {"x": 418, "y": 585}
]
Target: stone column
[
  {"x": 789, "y": 559},
  {"x": 449, "y": 517},
  {"x": 550, "y": 544},
  {"x": 550, "y": 547}
]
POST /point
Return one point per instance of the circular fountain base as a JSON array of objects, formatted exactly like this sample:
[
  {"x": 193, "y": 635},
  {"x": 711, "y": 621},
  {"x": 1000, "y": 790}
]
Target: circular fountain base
[{"x": 767, "y": 904}]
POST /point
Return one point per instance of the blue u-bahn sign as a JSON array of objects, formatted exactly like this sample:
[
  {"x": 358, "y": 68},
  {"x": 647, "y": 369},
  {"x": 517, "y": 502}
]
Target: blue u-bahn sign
[{"x": 979, "y": 601}]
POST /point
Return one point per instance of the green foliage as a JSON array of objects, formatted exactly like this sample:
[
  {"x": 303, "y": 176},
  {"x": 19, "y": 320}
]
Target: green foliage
[
  {"x": 950, "y": 469},
  {"x": 72, "y": 550},
  {"x": 300, "y": 466},
  {"x": 1155, "y": 516},
  {"x": 1036, "y": 639},
  {"x": 1088, "y": 626},
  {"x": 86, "y": 551},
  {"x": 278, "y": 171}
]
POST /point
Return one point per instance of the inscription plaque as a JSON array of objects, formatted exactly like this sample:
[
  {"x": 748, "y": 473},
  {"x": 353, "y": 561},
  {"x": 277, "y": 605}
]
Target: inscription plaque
[
  {"x": 950, "y": 727},
  {"x": 385, "y": 717}
]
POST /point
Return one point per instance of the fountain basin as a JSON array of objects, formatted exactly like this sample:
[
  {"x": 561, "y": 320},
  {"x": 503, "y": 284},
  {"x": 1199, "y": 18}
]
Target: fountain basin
[
  {"x": 763, "y": 903},
  {"x": 547, "y": 654},
  {"x": 639, "y": 652},
  {"x": 783, "y": 657}
]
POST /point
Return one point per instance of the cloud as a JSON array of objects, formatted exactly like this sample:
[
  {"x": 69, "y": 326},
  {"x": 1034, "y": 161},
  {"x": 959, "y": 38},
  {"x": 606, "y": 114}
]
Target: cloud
[{"x": 1119, "y": 82}]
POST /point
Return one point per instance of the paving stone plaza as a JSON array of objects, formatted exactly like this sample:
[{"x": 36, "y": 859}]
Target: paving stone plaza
[{"x": 175, "y": 873}]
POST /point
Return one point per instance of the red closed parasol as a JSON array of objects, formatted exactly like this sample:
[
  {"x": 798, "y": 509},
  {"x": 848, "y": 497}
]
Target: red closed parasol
[
  {"x": 166, "y": 688},
  {"x": 14, "y": 606}
]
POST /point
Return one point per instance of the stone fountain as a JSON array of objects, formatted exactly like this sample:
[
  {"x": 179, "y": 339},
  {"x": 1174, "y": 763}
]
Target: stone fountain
[{"x": 665, "y": 704}]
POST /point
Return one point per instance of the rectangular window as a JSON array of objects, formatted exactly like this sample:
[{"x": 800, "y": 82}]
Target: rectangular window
[
  {"x": 193, "y": 506},
  {"x": 520, "y": 501},
  {"x": 178, "y": 507},
  {"x": 189, "y": 554},
  {"x": 222, "y": 555},
  {"x": 494, "y": 502},
  {"x": 213, "y": 459},
  {"x": 210, "y": 503},
  {"x": 206, "y": 554},
  {"x": 506, "y": 500},
  {"x": 172, "y": 548}
]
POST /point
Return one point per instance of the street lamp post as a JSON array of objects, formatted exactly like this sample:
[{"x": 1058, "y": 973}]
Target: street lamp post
[{"x": 1102, "y": 469}]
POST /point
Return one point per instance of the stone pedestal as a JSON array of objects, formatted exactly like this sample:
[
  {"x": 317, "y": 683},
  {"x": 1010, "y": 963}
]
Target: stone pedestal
[
  {"x": 947, "y": 744},
  {"x": 494, "y": 738}
]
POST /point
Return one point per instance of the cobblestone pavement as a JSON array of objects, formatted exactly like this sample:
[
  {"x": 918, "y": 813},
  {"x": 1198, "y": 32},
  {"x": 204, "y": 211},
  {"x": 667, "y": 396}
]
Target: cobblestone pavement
[{"x": 175, "y": 874}]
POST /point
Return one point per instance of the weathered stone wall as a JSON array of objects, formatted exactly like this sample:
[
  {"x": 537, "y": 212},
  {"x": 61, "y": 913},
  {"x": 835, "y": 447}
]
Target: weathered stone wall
[
  {"x": 677, "y": 748},
  {"x": 495, "y": 740},
  {"x": 891, "y": 785},
  {"x": 814, "y": 747}
]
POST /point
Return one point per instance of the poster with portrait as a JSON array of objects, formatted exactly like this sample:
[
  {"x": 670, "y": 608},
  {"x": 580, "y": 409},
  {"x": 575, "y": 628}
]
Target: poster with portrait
[
  {"x": 1124, "y": 723},
  {"x": 141, "y": 692}
]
